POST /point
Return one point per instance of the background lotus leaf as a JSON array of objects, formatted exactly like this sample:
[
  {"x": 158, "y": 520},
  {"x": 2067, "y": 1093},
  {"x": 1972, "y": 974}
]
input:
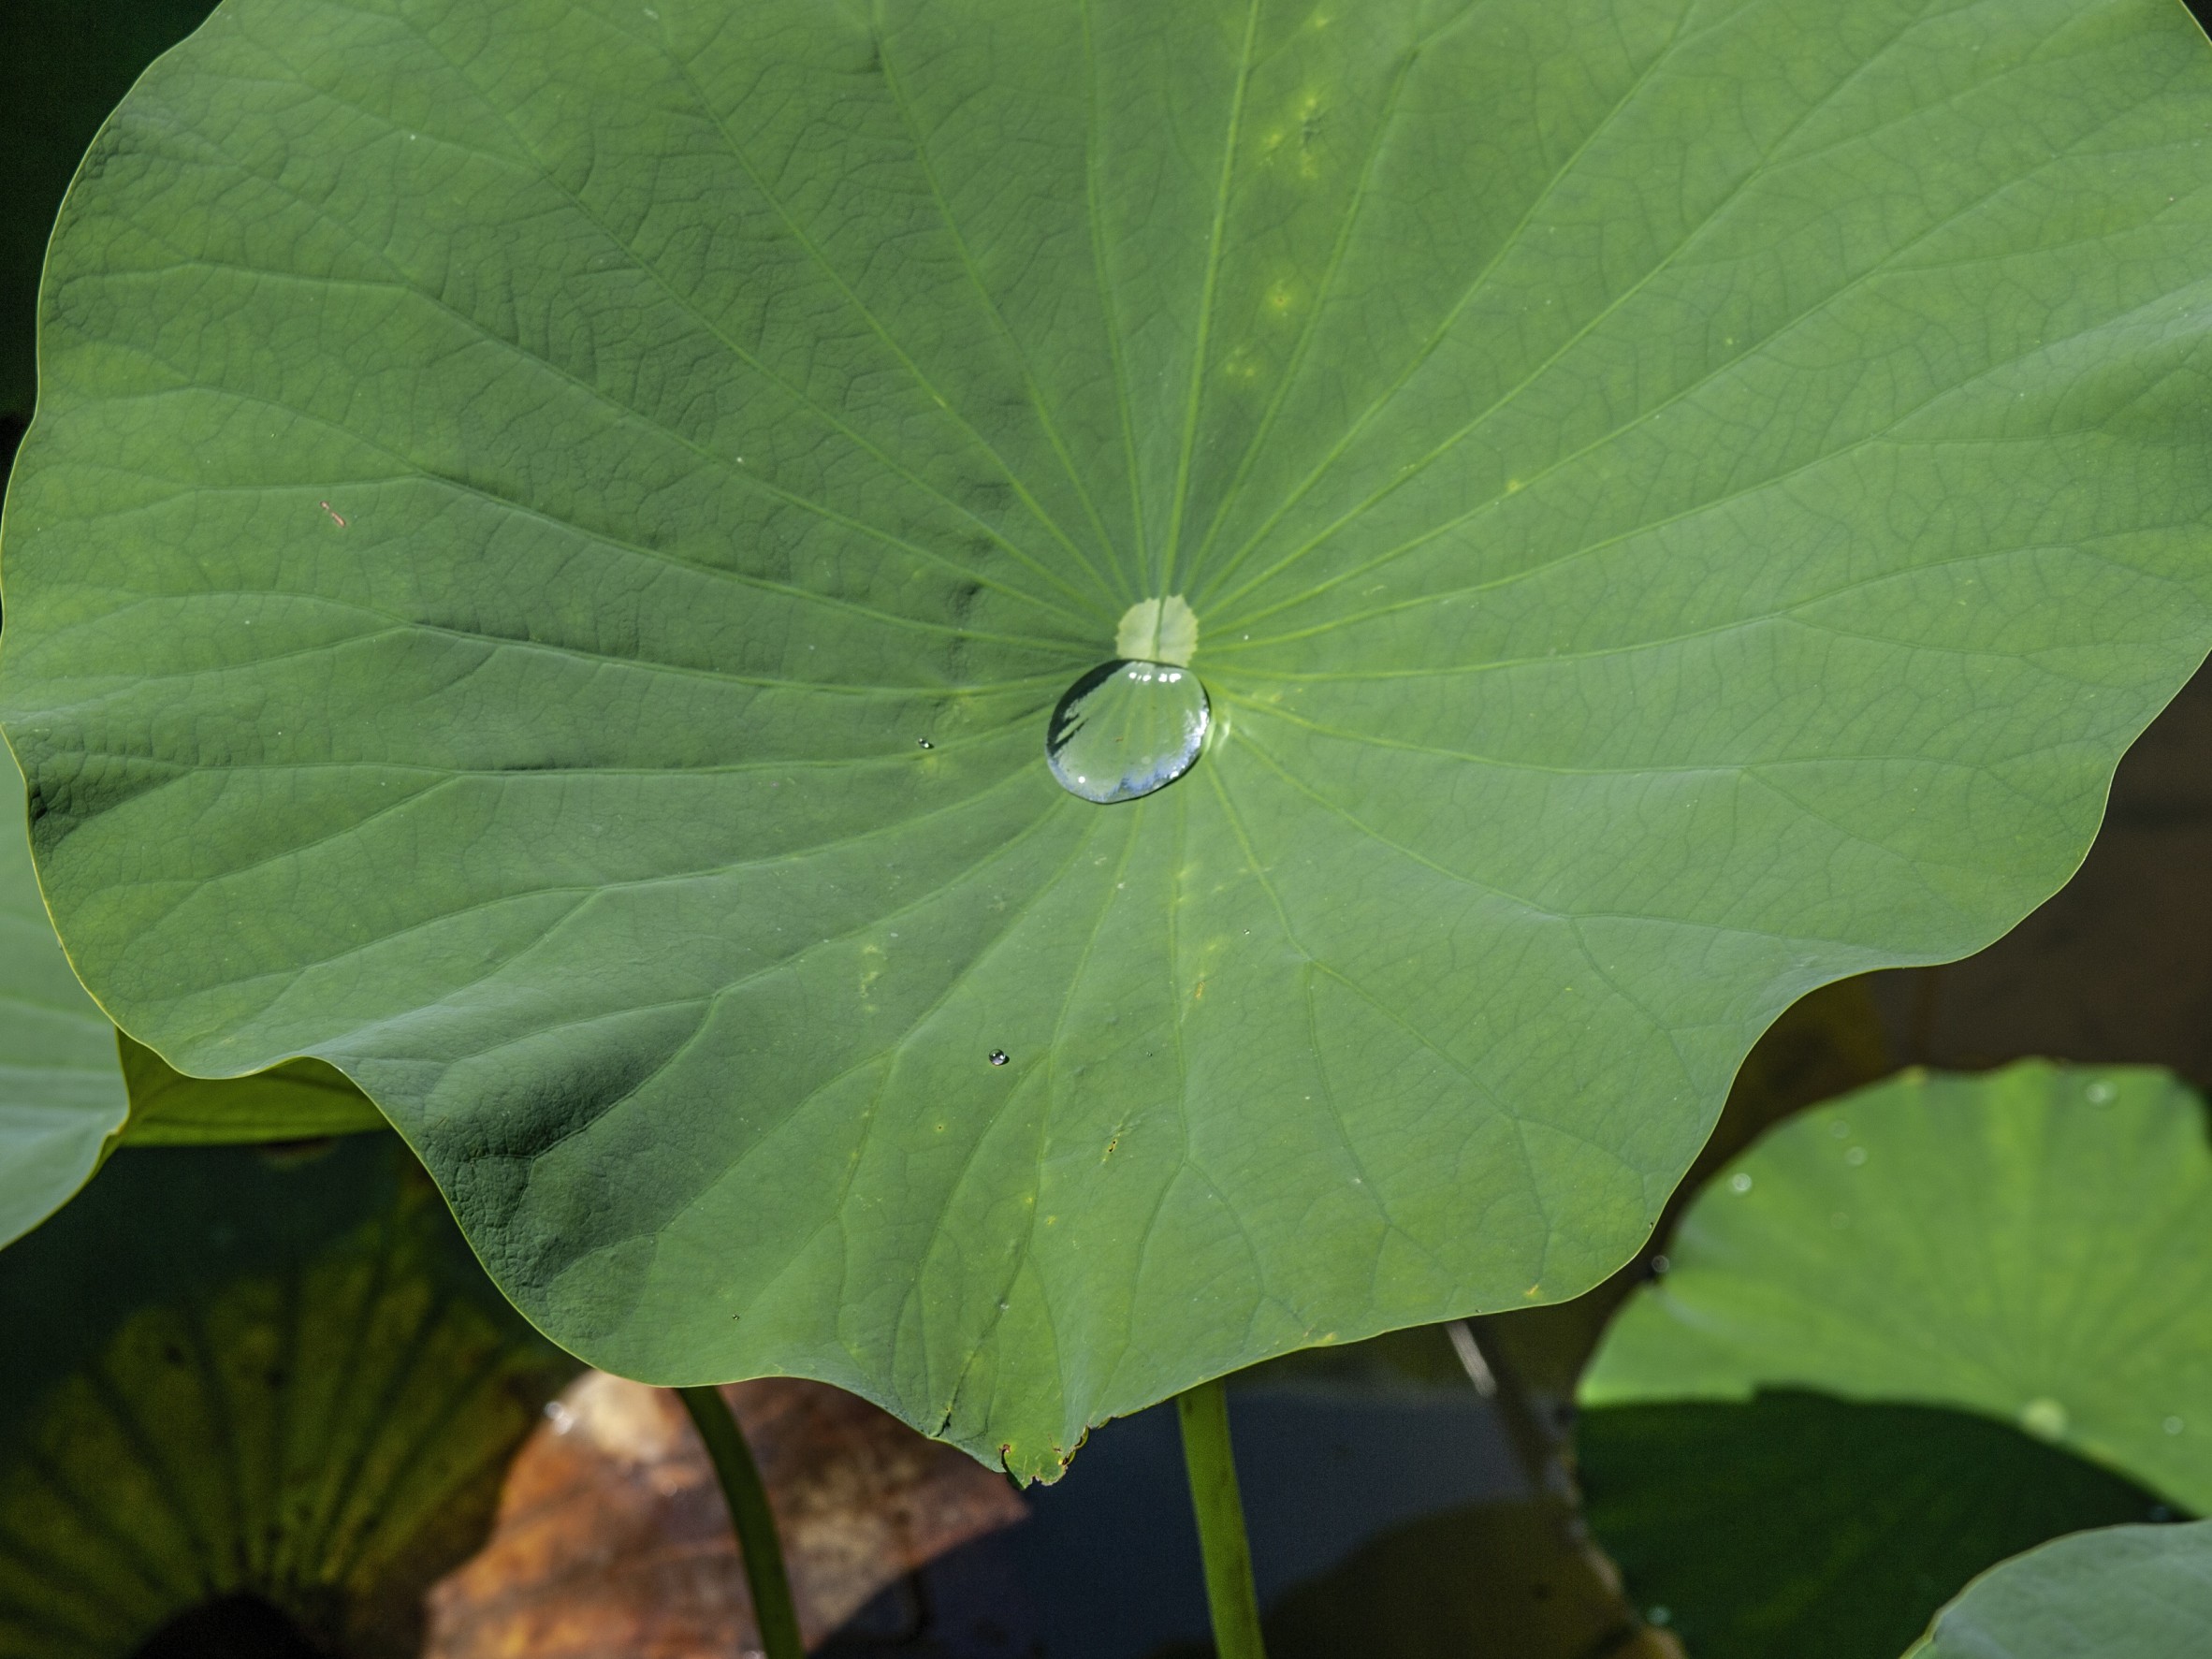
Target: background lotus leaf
[
  {"x": 62, "y": 1093},
  {"x": 2031, "y": 1245},
  {"x": 2121, "y": 1593},
  {"x": 1991, "y": 1282},
  {"x": 554, "y": 530}
]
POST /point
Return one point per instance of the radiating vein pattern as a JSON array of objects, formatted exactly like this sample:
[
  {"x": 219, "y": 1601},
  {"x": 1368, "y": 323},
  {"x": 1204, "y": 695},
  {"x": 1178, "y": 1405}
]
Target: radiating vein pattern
[
  {"x": 556, "y": 531},
  {"x": 325, "y": 1431}
]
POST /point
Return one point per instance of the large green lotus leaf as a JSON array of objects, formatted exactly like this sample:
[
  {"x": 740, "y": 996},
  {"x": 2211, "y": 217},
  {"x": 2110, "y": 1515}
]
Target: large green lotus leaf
[
  {"x": 68, "y": 1096},
  {"x": 253, "y": 1383},
  {"x": 2034, "y": 1244},
  {"x": 2121, "y": 1592},
  {"x": 555, "y": 533}
]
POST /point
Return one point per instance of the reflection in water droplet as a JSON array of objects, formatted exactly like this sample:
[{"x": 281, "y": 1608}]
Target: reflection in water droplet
[
  {"x": 998, "y": 1056},
  {"x": 2044, "y": 1418},
  {"x": 1127, "y": 728},
  {"x": 924, "y": 743}
]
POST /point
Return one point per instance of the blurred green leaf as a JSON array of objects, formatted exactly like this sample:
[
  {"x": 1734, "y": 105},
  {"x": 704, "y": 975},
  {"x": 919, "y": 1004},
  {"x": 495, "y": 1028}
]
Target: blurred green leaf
[
  {"x": 62, "y": 1094},
  {"x": 2124, "y": 1592}
]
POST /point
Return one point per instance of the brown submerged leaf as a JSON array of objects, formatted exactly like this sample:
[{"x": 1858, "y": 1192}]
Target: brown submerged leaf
[{"x": 612, "y": 1536}]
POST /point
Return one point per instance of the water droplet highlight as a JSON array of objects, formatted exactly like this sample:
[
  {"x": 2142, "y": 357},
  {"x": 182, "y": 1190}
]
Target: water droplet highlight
[
  {"x": 1126, "y": 729},
  {"x": 1740, "y": 1183},
  {"x": 923, "y": 743},
  {"x": 1000, "y": 1057}
]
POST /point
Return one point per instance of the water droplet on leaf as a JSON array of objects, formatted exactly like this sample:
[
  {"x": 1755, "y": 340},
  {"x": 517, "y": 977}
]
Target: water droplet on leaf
[
  {"x": 998, "y": 1056},
  {"x": 1740, "y": 1183},
  {"x": 1126, "y": 729},
  {"x": 2044, "y": 1418},
  {"x": 924, "y": 743}
]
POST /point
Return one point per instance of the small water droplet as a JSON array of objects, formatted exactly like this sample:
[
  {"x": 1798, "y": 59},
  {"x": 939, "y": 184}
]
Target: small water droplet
[
  {"x": 1659, "y": 1615},
  {"x": 1740, "y": 1183},
  {"x": 923, "y": 743},
  {"x": 998, "y": 1056},
  {"x": 1126, "y": 729},
  {"x": 2174, "y": 1425},
  {"x": 1855, "y": 1157},
  {"x": 2101, "y": 1093},
  {"x": 2043, "y": 1418},
  {"x": 1660, "y": 1264}
]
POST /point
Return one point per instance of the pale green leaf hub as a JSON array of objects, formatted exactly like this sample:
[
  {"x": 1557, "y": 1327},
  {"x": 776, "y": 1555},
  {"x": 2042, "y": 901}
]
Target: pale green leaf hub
[
  {"x": 1934, "y": 1240},
  {"x": 556, "y": 531},
  {"x": 1158, "y": 631}
]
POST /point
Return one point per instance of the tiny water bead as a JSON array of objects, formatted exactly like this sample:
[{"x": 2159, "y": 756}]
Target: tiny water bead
[
  {"x": 1000, "y": 1057},
  {"x": 1127, "y": 729}
]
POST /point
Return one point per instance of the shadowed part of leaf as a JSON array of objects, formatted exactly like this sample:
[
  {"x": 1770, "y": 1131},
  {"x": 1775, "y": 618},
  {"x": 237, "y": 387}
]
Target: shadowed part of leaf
[
  {"x": 271, "y": 1401},
  {"x": 231, "y": 1627},
  {"x": 1795, "y": 1523}
]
